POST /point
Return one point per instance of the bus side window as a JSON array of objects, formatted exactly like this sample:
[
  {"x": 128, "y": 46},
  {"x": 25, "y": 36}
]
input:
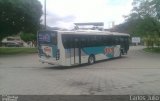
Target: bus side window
[
  {"x": 104, "y": 40},
  {"x": 111, "y": 40},
  {"x": 66, "y": 40},
  {"x": 126, "y": 40},
  {"x": 90, "y": 41},
  {"x": 70, "y": 41},
  {"x": 121, "y": 40},
  {"x": 107, "y": 40},
  {"x": 116, "y": 40},
  {"x": 96, "y": 41},
  {"x": 76, "y": 42},
  {"x": 99, "y": 40},
  {"x": 83, "y": 41}
]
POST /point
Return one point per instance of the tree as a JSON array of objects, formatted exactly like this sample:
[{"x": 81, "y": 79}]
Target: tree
[
  {"x": 148, "y": 14},
  {"x": 19, "y": 16},
  {"x": 28, "y": 37},
  {"x": 144, "y": 21}
]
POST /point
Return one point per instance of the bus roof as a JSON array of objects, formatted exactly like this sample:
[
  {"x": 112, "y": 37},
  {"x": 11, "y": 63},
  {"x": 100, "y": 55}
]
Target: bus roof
[
  {"x": 120, "y": 34},
  {"x": 93, "y": 32}
]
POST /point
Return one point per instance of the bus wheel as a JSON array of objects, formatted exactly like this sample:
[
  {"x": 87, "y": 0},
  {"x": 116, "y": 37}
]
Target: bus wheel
[{"x": 91, "y": 59}]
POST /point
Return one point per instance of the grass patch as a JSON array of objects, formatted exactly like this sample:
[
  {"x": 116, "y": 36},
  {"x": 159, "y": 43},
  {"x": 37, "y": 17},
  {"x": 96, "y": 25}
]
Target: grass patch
[
  {"x": 14, "y": 50},
  {"x": 152, "y": 50}
]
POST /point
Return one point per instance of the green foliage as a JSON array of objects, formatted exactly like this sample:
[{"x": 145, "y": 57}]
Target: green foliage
[
  {"x": 19, "y": 15},
  {"x": 11, "y": 51},
  {"x": 147, "y": 14},
  {"x": 28, "y": 37},
  {"x": 152, "y": 50},
  {"x": 144, "y": 21}
]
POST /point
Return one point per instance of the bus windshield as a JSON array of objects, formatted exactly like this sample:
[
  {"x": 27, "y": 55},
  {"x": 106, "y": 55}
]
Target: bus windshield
[{"x": 47, "y": 37}]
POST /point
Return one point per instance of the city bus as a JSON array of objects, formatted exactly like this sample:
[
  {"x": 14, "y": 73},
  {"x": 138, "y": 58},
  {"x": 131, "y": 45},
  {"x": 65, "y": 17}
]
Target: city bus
[{"x": 68, "y": 48}]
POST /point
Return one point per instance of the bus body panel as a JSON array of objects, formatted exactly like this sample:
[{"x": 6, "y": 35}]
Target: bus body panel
[
  {"x": 76, "y": 52},
  {"x": 100, "y": 53},
  {"x": 48, "y": 47}
]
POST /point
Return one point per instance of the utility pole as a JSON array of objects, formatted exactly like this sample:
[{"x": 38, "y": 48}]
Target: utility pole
[{"x": 45, "y": 14}]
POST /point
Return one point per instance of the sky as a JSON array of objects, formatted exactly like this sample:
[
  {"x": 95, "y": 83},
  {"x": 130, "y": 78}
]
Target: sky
[{"x": 64, "y": 13}]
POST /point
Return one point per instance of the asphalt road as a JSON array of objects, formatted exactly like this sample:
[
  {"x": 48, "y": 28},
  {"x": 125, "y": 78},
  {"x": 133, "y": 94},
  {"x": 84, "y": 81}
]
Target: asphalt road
[{"x": 136, "y": 73}]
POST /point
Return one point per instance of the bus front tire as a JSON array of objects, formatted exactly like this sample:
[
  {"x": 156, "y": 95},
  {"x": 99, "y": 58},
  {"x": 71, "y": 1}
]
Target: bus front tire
[{"x": 91, "y": 59}]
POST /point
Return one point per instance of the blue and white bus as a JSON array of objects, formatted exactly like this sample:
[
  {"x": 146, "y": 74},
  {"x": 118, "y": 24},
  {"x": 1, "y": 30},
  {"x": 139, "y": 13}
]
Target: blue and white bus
[{"x": 69, "y": 48}]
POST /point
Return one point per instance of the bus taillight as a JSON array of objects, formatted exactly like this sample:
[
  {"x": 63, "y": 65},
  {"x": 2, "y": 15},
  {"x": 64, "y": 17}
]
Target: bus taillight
[{"x": 57, "y": 54}]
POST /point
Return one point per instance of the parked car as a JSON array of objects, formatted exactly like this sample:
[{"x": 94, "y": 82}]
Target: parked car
[{"x": 13, "y": 44}]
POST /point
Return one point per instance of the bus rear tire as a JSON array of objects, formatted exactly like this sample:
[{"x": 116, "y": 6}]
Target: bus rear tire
[{"x": 91, "y": 59}]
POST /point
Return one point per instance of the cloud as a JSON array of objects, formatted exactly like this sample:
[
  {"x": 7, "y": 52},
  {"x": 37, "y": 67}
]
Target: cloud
[
  {"x": 66, "y": 12},
  {"x": 55, "y": 20},
  {"x": 117, "y": 2}
]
